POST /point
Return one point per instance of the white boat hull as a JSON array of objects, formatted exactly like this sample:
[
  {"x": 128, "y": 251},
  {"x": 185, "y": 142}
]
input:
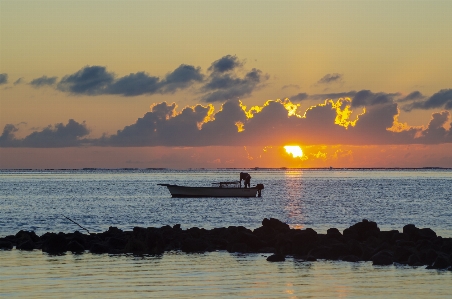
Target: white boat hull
[{"x": 184, "y": 191}]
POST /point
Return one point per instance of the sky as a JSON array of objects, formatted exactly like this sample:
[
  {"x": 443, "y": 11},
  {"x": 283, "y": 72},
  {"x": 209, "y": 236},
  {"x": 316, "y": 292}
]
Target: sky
[{"x": 214, "y": 84}]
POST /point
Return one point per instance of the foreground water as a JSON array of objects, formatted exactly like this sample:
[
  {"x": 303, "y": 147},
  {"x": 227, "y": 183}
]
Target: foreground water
[{"x": 320, "y": 199}]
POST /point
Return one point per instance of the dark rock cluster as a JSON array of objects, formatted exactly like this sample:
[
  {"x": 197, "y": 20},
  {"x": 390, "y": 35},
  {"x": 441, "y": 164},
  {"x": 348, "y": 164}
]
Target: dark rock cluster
[{"x": 362, "y": 241}]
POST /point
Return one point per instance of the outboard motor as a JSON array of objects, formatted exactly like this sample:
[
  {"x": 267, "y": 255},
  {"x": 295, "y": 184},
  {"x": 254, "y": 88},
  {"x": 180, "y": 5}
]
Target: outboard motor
[{"x": 259, "y": 189}]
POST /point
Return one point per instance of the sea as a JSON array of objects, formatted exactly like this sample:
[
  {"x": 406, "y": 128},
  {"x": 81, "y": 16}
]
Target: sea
[{"x": 42, "y": 200}]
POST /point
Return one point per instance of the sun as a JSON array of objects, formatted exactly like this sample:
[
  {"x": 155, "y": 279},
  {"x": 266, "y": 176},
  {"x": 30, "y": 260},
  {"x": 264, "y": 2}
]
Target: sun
[{"x": 294, "y": 150}]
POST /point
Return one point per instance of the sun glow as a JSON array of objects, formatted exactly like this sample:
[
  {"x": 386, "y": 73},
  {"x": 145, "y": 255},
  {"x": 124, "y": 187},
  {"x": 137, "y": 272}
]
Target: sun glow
[{"x": 294, "y": 150}]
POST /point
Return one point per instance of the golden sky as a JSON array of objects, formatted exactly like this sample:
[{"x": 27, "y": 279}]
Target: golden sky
[{"x": 225, "y": 83}]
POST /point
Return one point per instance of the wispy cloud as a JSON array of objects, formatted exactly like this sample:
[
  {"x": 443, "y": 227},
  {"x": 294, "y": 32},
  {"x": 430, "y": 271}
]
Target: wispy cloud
[
  {"x": 43, "y": 81},
  {"x": 330, "y": 78},
  {"x": 3, "y": 78}
]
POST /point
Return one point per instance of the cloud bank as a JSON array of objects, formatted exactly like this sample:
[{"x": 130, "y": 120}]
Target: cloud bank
[{"x": 277, "y": 122}]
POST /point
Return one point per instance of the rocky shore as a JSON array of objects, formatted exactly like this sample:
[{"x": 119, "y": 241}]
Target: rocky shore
[{"x": 363, "y": 241}]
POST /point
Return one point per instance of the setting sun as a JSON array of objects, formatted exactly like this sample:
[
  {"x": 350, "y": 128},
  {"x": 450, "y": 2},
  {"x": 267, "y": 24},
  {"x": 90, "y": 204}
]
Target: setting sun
[{"x": 294, "y": 150}]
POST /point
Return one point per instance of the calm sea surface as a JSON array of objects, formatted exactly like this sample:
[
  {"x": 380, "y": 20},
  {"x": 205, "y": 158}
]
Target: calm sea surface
[{"x": 319, "y": 199}]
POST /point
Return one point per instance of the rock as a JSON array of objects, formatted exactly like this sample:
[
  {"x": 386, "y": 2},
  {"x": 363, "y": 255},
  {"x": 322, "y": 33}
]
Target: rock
[
  {"x": 275, "y": 224},
  {"x": 440, "y": 262},
  {"x": 362, "y": 230},
  {"x": 411, "y": 231},
  {"x": 5, "y": 245},
  {"x": 113, "y": 230},
  {"x": 276, "y": 258},
  {"x": 303, "y": 241},
  {"x": 354, "y": 247},
  {"x": 99, "y": 248},
  {"x": 75, "y": 247},
  {"x": 334, "y": 233},
  {"x": 116, "y": 243},
  {"x": 402, "y": 254},
  {"x": 382, "y": 258},
  {"x": 350, "y": 258},
  {"x": 26, "y": 245},
  {"x": 414, "y": 260},
  {"x": 135, "y": 245},
  {"x": 252, "y": 241},
  {"x": 194, "y": 245},
  {"x": 27, "y": 235},
  {"x": 55, "y": 244},
  {"x": 238, "y": 247},
  {"x": 323, "y": 252},
  {"x": 426, "y": 233}
]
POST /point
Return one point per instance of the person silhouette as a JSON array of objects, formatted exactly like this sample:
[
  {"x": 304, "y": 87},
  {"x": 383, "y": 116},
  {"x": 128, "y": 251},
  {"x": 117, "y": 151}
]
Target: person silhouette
[{"x": 247, "y": 178}]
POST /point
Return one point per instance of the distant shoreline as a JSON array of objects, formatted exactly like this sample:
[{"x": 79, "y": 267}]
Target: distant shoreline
[{"x": 228, "y": 168}]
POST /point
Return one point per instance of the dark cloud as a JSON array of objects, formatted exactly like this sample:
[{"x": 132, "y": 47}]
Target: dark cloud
[
  {"x": 43, "y": 81},
  {"x": 7, "y": 138},
  {"x": 91, "y": 80},
  {"x": 299, "y": 97},
  {"x": 368, "y": 98},
  {"x": 162, "y": 126},
  {"x": 59, "y": 135},
  {"x": 95, "y": 80},
  {"x": 322, "y": 96},
  {"x": 223, "y": 87},
  {"x": 224, "y": 81},
  {"x": 3, "y": 78},
  {"x": 325, "y": 96},
  {"x": 330, "y": 78},
  {"x": 415, "y": 95},
  {"x": 291, "y": 86},
  {"x": 19, "y": 81},
  {"x": 134, "y": 85},
  {"x": 225, "y": 64},
  {"x": 442, "y": 98},
  {"x": 435, "y": 130},
  {"x": 181, "y": 78}
]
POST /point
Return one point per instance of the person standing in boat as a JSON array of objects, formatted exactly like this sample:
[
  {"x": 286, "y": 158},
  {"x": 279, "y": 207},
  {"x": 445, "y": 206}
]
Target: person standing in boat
[{"x": 247, "y": 178}]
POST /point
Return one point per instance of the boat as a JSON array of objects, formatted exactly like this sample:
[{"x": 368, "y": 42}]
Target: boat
[{"x": 221, "y": 189}]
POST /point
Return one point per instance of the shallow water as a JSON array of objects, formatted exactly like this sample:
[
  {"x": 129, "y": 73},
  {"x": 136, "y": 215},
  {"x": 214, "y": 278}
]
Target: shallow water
[
  {"x": 36, "y": 200},
  {"x": 212, "y": 275}
]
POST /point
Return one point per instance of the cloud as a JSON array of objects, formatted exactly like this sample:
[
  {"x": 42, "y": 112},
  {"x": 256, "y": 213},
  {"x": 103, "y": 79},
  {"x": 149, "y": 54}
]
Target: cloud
[
  {"x": 19, "y": 81},
  {"x": 436, "y": 130},
  {"x": 373, "y": 121},
  {"x": 226, "y": 86},
  {"x": 322, "y": 96},
  {"x": 225, "y": 64},
  {"x": 95, "y": 80},
  {"x": 3, "y": 78},
  {"x": 442, "y": 98},
  {"x": 7, "y": 137},
  {"x": 90, "y": 80},
  {"x": 226, "y": 79},
  {"x": 59, "y": 135},
  {"x": 330, "y": 78},
  {"x": 134, "y": 85},
  {"x": 295, "y": 86},
  {"x": 299, "y": 97},
  {"x": 181, "y": 78},
  {"x": 368, "y": 98},
  {"x": 162, "y": 126},
  {"x": 43, "y": 81},
  {"x": 415, "y": 95}
]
